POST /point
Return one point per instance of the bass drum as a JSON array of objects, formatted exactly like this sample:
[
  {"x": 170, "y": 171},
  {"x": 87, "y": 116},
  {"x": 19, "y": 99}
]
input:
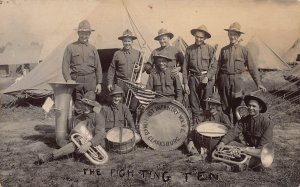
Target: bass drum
[{"x": 164, "y": 124}]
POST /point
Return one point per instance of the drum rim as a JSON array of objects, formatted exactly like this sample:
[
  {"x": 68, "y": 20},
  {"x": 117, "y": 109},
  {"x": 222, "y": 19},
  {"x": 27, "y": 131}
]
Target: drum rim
[
  {"x": 125, "y": 142},
  {"x": 205, "y": 122},
  {"x": 181, "y": 107}
]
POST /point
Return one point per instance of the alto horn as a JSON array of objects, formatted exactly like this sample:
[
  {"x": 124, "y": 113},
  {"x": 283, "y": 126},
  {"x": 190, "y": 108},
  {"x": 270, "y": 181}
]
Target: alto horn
[
  {"x": 239, "y": 155},
  {"x": 95, "y": 154},
  {"x": 241, "y": 111},
  {"x": 62, "y": 99}
]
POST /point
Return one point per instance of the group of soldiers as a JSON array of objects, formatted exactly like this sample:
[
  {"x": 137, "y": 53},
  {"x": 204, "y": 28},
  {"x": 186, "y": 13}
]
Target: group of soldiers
[{"x": 201, "y": 72}]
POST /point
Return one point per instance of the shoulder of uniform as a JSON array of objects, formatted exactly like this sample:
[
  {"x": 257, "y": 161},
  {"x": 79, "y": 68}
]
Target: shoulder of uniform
[
  {"x": 210, "y": 47},
  {"x": 92, "y": 46},
  {"x": 191, "y": 46}
]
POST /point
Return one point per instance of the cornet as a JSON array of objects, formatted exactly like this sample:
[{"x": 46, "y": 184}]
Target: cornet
[{"x": 239, "y": 155}]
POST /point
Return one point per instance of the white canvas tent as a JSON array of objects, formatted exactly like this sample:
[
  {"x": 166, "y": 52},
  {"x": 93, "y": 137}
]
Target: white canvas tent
[
  {"x": 293, "y": 54},
  {"x": 264, "y": 57},
  {"x": 109, "y": 19}
]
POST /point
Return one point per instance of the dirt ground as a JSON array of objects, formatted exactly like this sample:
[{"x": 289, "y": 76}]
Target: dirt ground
[{"x": 24, "y": 132}]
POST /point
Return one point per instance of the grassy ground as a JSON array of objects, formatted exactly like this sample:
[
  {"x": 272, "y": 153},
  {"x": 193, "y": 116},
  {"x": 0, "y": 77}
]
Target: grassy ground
[{"x": 24, "y": 132}]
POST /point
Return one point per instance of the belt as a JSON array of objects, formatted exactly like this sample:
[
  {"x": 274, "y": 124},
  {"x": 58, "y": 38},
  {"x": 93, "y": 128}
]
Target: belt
[
  {"x": 81, "y": 74},
  {"x": 198, "y": 73},
  {"x": 230, "y": 73}
]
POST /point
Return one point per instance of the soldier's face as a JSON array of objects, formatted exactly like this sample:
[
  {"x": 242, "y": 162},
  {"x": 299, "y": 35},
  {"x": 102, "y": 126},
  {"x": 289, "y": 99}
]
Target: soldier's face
[
  {"x": 84, "y": 36},
  {"x": 164, "y": 40},
  {"x": 162, "y": 63},
  {"x": 116, "y": 99},
  {"x": 199, "y": 37},
  {"x": 213, "y": 108},
  {"x": 233, "y": 37},
  {"x": 253, "y": 108},
  {"x": 127, "y": 43}
]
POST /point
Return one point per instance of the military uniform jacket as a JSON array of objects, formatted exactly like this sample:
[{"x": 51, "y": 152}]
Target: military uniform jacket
[
  {"x": 122, "y": 64},
  {"x": 199, "y": 58},
  {"x": 257, "y": 131},
  {"x": 81, "y": 59},
  {"x": 163, "y": 83}
]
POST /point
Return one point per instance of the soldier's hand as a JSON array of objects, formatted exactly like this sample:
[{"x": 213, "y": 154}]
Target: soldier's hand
[
  {"x": 98, "y": 88},
  {"x": 109, "y": 87},
  {"x": 220, "y": 146},
  {"x": 262, "y": 88},
  {"x": 136, "y": 68},
  {"x": 83, "y": 148},
  {"x": 204, "y": 80},
  {"x": 70, "y": 81},
  {"x": 175, "y": 71},
  {"x": 186, "y": 89}
]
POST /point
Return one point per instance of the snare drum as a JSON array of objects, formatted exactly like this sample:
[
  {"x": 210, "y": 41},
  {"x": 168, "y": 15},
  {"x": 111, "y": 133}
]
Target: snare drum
[
  {"x": 208, "y": 134},
  {"x": 120, "y": 140},
  {"x": 164, "y": 125}
]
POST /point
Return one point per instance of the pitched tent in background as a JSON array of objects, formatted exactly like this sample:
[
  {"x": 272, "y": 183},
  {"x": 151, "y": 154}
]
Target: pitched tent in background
[
  {"x": 108, "y": 26},
  {"x": 180, "y": 44},
  {"x": 293, "y": 54},
  {"x": 264, "y": 57},
  {"x": 293, "y": 75}
]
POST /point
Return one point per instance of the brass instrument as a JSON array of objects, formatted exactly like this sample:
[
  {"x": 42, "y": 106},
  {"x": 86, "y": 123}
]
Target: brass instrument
[
  {"x": 239, "y": 155},
  {"x": 63, "y": 105},
  {"x": 241, "y": 111},
  {"x": 95, "y": 154}
]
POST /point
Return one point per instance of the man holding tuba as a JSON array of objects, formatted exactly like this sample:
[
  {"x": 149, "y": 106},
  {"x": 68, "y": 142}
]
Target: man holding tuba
[
  {"x": 81, "y": 64},
  {"x": 256, "y": 128},
  {"x": 88, "y": 126}
]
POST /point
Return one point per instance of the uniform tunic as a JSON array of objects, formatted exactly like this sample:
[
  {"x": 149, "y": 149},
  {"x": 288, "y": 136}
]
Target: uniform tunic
[
  {"x": 232, "y": 62},
  {"x": 162, "y": 83},
  {"x": 110, "y": 117},
  {"x": 199, "y": 62},
  {"x": 169, "y": 51},
  {"x": 257, "y": 131},
  {"x": 81, "y": 63}
]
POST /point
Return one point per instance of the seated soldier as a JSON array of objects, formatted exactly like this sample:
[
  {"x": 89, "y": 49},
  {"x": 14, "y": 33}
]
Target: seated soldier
[
  {"x": 215, "y": 114},
  {"x": 87, "y": 126},
  {"x": 103, "y": 119},
  {"x": 256, "y": 129},
  {"x": 161, "y": 81}
]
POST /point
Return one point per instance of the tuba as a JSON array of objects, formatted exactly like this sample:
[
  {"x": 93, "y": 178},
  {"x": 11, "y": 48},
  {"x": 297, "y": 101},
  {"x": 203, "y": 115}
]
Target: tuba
[
  {"x": 239, "y": 155},
  {"x": 63, "y": 113},
  {"x": 81, "y": 135}
]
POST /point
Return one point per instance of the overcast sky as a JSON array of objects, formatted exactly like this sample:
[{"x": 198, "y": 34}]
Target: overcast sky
[{"x": 277, "y": 22}]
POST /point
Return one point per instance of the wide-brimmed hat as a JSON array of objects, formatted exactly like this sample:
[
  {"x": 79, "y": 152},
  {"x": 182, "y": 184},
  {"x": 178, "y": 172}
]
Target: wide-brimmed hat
[
  {"x": 84, "y": 26},
  {"x": 263, "y": 105},
  {"x": 162, "y": 32},
  {"x": 236, "y": 27},
  {"x": 89, "y": 99},
  {"x": 202, "y": 28},
  {"x": 117, "y": 90},
  {"x": 156, "y": 56},
  {"x": 215, "y": 98},
  {"x": 127, "y": 34}
]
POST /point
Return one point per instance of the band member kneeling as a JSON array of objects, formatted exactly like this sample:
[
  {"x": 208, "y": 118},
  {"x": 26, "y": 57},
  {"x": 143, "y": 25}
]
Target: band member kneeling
[{"x": 257, "y": 131}]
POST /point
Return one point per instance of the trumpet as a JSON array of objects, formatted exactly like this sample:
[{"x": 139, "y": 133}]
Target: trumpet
[
  {"x": 239, "y": 155},
  {"x": 95, "y": 154}
]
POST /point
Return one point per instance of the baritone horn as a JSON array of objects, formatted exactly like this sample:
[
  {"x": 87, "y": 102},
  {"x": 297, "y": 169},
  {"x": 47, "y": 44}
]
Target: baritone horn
[
  {"x": 239, "y": 155},
  {"x": 241, "y": 111},
  {"x": 63, "y": 113}
]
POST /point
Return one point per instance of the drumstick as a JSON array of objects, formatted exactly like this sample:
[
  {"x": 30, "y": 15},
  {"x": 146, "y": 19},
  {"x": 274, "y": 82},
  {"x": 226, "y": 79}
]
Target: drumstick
[{"x": 121, "y": 133}]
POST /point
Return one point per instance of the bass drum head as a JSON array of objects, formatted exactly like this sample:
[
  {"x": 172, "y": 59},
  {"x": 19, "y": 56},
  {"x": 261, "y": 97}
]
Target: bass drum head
[
  {"x": 164, "y": 125},
  {"x": 113, "y": 135}
]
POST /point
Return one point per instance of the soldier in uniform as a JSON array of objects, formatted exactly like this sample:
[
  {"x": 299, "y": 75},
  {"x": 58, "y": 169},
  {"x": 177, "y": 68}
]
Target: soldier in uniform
[
  {"x": 81, "y": 64},
  {"x": 199, "y": 69},
  {"x": 232, "y": 61},
  {"x": 256, "y": 128},
  {"x": 125, "y": 65},
  {"x": 172, "y": 52},
  {"x": 161, "y": 81}
]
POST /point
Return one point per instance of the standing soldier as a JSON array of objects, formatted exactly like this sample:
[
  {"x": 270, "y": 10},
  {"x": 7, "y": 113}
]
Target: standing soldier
[
  {"x": 232, "y": 61},
  {"x": 172, "y": 52},
  {"x": 199, "y": 69},
  {"x": 81, "y": 64},
  {"x": 125, "y": 65}
]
